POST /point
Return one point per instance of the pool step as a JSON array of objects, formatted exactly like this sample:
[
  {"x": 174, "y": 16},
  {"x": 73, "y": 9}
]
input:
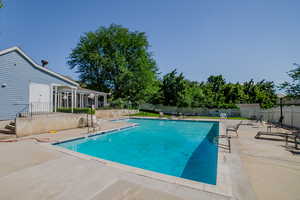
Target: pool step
[
  {"x": 10, "y": 127},
  {"x": 4, "y": 136}
]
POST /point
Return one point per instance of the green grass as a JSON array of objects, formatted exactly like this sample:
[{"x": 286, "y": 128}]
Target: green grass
[{"x": 148, "y": 114}]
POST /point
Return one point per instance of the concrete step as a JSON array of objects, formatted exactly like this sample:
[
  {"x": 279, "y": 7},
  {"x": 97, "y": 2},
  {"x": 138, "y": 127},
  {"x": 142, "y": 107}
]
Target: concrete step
[
  {"x": 7, "y": 131},
  {"x": 12, "y": 123},
  {"x": 6, "y": 136},
  {"x": 10, "y": 127}
]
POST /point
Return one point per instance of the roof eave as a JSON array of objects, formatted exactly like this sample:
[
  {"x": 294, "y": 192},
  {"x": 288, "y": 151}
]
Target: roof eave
[{"x": 15, "y": 48}]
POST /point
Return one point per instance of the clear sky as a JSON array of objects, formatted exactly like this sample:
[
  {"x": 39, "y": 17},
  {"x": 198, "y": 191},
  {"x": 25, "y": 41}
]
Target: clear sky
[{"x": 239, "y": 39}]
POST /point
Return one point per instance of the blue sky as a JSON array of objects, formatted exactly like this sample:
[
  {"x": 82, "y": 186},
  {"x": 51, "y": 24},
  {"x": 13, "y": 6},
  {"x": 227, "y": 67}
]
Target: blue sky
[{"x": 238, "y": 39}]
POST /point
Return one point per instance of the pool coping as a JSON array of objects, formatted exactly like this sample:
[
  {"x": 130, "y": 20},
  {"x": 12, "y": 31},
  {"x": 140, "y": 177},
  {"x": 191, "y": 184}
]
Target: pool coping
[{"x": 222, "y": 187}]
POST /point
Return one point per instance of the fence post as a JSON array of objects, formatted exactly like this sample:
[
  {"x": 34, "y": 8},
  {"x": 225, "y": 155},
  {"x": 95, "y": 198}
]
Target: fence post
[{"x": 30, "y": 109}]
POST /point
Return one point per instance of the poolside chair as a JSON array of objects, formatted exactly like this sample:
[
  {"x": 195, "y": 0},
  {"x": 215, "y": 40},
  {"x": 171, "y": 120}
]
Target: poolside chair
[
  {"x": 276, "y": 124},
  {"x": 223, "y": 116},
  {"x": 161, "y": 114},
  {"x": 268, "y": 133},
  {"x": 233, "y": 129},
  {"x": 260, "y": 119},
  {"x": 295, "y": 137},
  {"x": 284, "y": 135}
]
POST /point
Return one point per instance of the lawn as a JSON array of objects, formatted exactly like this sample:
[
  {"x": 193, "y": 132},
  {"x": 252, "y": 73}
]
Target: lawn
[{"x": 148, "y": 114}]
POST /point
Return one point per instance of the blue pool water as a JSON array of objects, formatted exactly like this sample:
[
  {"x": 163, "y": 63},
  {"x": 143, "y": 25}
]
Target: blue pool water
[{"x": 178, "y": 148}]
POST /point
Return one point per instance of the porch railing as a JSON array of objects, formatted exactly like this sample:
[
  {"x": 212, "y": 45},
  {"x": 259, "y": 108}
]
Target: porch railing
[{"x": 34, "y": 108}]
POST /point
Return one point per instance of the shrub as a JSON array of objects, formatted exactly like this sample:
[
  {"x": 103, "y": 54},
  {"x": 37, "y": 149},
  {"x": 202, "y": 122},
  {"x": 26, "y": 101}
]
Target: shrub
[{"x": 77, "y": 110}]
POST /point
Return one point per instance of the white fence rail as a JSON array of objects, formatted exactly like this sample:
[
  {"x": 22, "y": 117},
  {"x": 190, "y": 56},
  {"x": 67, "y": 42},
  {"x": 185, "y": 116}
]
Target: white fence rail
[{"x": 291, "y": 115}]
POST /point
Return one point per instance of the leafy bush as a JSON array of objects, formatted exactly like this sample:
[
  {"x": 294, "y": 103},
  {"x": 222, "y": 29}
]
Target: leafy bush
[{"x": 77, "y": 110}]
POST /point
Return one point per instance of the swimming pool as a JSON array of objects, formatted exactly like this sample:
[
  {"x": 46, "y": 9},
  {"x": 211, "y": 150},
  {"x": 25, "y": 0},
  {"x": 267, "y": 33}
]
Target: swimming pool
[{"x": 179, "y": 148}]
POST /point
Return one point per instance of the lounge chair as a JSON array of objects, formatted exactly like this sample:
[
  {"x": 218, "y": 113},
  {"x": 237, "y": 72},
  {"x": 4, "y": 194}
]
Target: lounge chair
[
  {"x": 275, "y": 125},
  {"x": 295, "y": 136},
  {"x": 233, "y": 129},
  {"x": 260, "y": 119},
  {"x": 268, "y": 133},
  {"x": 223, "y": 116},
  {"x": 285, "y": 136},
  {"x": 161, "y": 114}
]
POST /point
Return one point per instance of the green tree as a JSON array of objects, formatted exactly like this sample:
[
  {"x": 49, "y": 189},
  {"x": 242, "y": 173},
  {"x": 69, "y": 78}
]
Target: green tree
[
  {"x": 197, "y": 94},
  {"x": 266, "y": 95},
  {"x": 174, "y": 90},
  {"x": 115, "y": 59},
  {"x": 1, "y": 4},
  {"x": 293, "y": 88},
  {"x": 216, "y": 84},
  {"x": 233, "y": 93},
  {"x": 262, "y": 92}
]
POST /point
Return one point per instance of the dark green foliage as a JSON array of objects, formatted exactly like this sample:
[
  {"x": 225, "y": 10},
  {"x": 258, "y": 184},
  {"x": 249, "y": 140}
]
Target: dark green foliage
[
  {"x": 175, "y": 90},
  {"x": 114, "y": 59},
  {"x": 77, "y": 110},
  {"x": 293, "y": 88},
  {"x": 262, "y": 92}
]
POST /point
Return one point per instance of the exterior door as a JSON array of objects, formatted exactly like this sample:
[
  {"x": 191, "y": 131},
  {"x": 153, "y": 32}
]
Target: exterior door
[{"x": 39, "y": 97}]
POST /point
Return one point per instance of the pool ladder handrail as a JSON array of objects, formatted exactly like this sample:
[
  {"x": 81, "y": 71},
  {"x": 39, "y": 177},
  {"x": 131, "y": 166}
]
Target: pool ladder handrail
[
  {"x": 228, "y": 146},
  {"x": 91, "y": 128}
]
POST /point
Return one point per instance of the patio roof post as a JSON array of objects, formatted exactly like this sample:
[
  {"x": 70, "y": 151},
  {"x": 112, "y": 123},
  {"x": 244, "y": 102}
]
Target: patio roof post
[
  {"x": 96, "y": 101},
  {"x": 75, "y": 98},
  {"x": 85, "y": 101},
  {"x": 55, "y": 98},
  {"x": 72, "y": 99},
  {"x": 60, "y": 100},
  {"x": 67, "y": 100},
  {"x": 105, "y": 100},
  {"x": 58, "y": 95},
  {"x": 81, "y": 100}
]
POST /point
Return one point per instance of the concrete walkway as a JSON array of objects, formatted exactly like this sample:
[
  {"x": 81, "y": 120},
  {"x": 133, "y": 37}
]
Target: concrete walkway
[
  {"x": 273, "y": 171},
  {"x": 31, "y": 170}
]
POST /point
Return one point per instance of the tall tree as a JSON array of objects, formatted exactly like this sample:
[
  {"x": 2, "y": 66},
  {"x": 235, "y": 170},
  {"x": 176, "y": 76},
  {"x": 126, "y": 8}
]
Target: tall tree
[
  {"x": 115, "y": 59},
  {"x": 293, "y": 88},
  {"x": 174, "y": 89},
  {"x": 267, "y": 95},
  {"x": 216, "y": 84}
]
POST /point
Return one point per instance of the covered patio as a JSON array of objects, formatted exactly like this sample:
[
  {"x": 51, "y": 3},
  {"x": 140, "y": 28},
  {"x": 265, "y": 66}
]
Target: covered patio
[{"x": 77, "y": 97}]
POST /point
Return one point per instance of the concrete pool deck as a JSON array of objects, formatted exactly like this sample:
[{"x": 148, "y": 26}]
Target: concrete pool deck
[
  {"x": 31, "y": 170},
  {"x": 273, "y": 171}
]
